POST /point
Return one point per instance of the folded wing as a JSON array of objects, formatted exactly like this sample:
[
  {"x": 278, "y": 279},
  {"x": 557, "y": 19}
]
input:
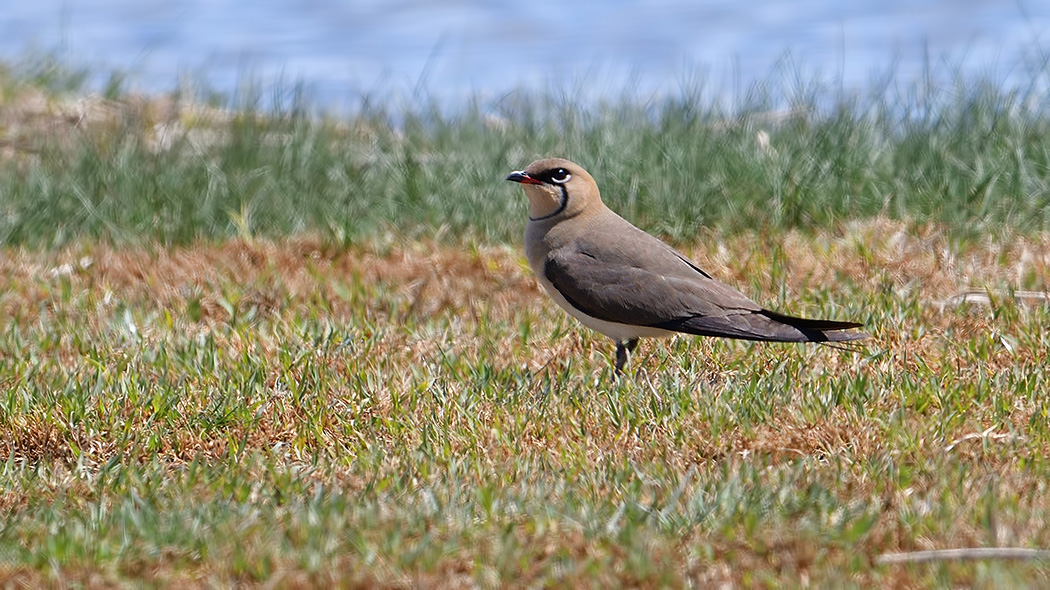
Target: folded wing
[{"x": 670, "y": 292}]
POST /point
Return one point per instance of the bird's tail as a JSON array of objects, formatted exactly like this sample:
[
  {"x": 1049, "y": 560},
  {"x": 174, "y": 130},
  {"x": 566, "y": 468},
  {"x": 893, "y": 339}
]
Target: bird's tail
[
  {"x": 818, "y": 330},
  {"x": 766, "y": 326}
]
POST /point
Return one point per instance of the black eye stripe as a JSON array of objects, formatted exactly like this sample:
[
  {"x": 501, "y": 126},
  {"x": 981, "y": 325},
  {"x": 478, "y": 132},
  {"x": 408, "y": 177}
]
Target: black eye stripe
[{"x": 555, "y": 176}]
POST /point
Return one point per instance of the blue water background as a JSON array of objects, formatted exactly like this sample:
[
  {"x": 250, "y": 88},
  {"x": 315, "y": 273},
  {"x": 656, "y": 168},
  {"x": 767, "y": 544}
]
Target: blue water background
[{"x": 452, "y": 51}]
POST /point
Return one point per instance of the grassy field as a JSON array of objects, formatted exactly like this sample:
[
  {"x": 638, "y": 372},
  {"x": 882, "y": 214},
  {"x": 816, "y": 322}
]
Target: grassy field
[{"x": 283, "y": 350}]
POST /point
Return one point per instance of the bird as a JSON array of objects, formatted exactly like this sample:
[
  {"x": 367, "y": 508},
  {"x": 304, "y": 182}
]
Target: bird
[{"x": 627, "y": 284}]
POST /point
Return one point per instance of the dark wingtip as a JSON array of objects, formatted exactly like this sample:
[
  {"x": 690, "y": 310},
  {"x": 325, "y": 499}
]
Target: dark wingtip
[{"x": 820, "y": 330}]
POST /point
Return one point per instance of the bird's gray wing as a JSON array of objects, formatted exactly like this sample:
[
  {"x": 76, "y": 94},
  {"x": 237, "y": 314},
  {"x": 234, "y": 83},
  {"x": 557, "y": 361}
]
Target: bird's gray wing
[
  {"x": 662, "y": 289},
  {"x": 612, "y": 284}
]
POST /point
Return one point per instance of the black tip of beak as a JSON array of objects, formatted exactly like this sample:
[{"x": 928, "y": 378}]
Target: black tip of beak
[{"x": 521, "y": 177}]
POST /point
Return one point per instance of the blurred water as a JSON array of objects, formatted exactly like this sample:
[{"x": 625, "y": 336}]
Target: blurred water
[{"x": 453, "y": 50}]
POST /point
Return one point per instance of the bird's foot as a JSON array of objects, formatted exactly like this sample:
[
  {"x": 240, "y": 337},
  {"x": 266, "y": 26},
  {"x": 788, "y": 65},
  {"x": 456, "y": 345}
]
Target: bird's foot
[{"x": 623, "y": 350}]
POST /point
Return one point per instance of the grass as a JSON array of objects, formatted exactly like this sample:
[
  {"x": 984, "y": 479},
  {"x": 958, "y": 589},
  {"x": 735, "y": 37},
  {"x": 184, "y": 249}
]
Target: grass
[
  {"x": 297, "y": 351},
  {"x": 970, "y": 156}
]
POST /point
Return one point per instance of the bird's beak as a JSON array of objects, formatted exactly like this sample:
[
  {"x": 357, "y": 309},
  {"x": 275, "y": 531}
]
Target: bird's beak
[{"x": 520, "y": 176}]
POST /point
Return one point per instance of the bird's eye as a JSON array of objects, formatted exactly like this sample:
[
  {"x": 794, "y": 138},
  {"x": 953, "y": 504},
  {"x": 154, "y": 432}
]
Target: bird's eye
[{"x": 560, "y": 176}]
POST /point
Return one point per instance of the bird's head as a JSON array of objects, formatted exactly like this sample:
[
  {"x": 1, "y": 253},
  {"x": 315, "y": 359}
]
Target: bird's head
[{"x": 556, "y": 189}]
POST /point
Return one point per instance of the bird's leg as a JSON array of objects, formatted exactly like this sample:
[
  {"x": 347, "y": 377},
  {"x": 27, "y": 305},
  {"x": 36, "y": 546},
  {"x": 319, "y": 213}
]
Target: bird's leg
[{"x": 623, "y": 347}]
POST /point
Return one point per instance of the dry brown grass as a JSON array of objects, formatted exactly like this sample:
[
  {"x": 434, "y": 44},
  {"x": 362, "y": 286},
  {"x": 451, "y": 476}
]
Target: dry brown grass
[
  {"x": 881, "y": 256},
  {"x": 419, "y": 282},
  {"x": 418, "y": 303}
]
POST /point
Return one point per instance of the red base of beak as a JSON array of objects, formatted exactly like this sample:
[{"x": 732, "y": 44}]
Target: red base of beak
[{"x": 522, "y": 178}]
